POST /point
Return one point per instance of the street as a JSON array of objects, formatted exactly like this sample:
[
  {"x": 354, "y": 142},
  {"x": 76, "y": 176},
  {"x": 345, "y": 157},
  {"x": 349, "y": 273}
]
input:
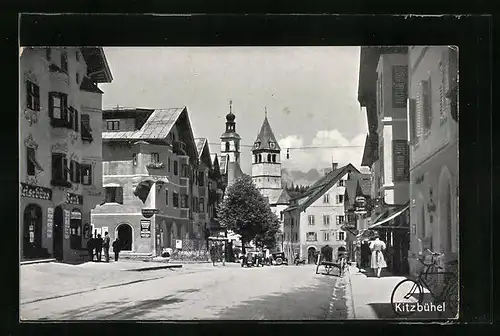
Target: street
[{"x": 196, "y": 291}]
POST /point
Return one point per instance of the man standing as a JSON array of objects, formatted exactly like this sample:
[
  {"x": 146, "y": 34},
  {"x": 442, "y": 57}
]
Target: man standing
[
  {"x": 105, "y": 245},
  {"x": 116, "y": 248},
  {"x": 98, "y": 247},
  {"x": 90, "y": 248}
]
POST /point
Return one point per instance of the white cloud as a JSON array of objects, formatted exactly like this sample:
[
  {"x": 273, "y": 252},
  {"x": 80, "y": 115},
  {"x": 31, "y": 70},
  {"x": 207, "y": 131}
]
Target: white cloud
[{"x": 305, "y": 159}]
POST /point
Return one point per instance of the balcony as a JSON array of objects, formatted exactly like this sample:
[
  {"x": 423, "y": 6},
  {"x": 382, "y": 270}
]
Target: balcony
[
  {"x": 155, "y": 165},
  {"x": 179, "y": 148}
]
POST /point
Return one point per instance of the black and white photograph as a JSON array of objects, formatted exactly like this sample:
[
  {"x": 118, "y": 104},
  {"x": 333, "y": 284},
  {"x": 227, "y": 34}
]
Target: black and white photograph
[{"x": 238, "y": 183}]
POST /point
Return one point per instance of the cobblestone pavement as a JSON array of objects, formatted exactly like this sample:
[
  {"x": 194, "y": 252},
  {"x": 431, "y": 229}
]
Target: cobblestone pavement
[{"x": 204, "y": 292}]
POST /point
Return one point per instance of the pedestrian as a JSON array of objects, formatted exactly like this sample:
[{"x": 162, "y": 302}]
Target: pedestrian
[
  {"x": 98, "y": 247},
  {"x": 213, "y": 253},
  {"x": 90, "y": 248},
  {"x": 116, "y": 248},
  {"x": 377, "y": 246},
  {"x": 105, "y": 245},
  {"x": 223, "y": 253}
]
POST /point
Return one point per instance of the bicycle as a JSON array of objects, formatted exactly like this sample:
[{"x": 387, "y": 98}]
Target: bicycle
[{"x": 414, "y": 288}]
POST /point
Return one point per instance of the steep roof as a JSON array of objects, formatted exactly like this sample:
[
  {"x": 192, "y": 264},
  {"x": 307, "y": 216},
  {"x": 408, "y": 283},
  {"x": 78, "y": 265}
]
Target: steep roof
[
  {"x": 200, "y": 143},
  {"x": 324, "y": 184},
  {"x": 266, "y": 136},
  {"x": 156, "y": 127},
  {"x": 350, "y": 190},
  {"x": 203, "y": 151}
]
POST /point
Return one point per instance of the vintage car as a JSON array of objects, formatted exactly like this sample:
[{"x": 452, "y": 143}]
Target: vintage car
[
  {"x": 253, "y": 259},
  {"x": 278, "y": 258}
]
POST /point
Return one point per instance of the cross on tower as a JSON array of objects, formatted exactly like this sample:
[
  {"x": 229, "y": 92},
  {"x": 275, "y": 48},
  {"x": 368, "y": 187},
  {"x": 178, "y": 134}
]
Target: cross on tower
[
  {"x": 230, "y": 106},
  {"x": 265, "y": 110}
]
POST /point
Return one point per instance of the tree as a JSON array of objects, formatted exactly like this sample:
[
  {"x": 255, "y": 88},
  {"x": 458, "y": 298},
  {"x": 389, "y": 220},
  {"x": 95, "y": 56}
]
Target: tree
[
  {"x": 267, "y": 236},
  {"x": 244, "y": 210}
]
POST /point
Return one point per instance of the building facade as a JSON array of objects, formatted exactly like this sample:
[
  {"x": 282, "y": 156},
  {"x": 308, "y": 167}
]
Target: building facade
[
  {"x": 266, "y": 174},
  {"x": 316, "y": 218},
  {"x": 60, "y": 151},
  {"x": 384, "y": 91},
  {"x": 433, "y": 135},
  {"x": 156, "y": 185}
]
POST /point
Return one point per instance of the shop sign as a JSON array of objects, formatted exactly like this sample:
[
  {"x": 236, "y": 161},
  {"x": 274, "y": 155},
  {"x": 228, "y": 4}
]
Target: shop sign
[
  {"x": 145, "y": 229},
  {"x": 37, "y": 192},
  {"x": 76, "y": 215},
  {"x": 50, "y": 218},
  {"x": 66, "y": 224},
  {"x": 399, "y": 86},
  {"x": 74, "y": 198},
  {"x": 178, "y": 244},
  {"x": 401, "y": 165},
  {"x": 148, "y": 213}
]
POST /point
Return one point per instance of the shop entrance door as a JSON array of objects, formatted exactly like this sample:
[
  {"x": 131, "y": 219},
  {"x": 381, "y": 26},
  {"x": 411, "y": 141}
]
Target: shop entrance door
[{"x": 58, "y": 233}]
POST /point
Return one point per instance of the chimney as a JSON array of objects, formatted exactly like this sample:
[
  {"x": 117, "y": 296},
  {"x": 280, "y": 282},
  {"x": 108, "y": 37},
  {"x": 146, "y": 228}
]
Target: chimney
[{"x": 334, "y": 165}]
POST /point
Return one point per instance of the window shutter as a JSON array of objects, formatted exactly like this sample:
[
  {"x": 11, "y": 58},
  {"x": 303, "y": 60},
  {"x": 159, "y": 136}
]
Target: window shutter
[
  {"x": 119, "y": 195},
  {"x": 51, "y": 104},
  {"x": 413, "y": 119},
  {"x": 29, "y": 94},
  {"x": 78, "y": 173},
  {"x": 419, "y": 114},
  {"x": 65, "y": 169},
  {"x": 72, "y": 171},
  {"x": 75, "y": 121},
  {"x": 36, "y": 91}
]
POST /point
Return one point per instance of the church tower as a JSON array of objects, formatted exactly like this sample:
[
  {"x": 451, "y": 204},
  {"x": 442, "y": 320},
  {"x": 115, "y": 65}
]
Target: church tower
[
  {"x": 266, "y": 161},
  {"x": 230, "y": 140}
]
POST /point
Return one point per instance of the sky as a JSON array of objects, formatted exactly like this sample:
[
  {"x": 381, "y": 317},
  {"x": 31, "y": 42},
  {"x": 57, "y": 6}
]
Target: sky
[{"x": 310, "y": 94}]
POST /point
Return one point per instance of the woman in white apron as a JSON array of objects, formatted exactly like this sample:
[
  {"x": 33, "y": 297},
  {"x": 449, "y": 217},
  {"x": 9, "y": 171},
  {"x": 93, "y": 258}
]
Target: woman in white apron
[{"x": 378, "y": 261}]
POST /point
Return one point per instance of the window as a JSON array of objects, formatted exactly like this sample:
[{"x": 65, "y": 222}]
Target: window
[
  {"x": 184, "y": 201},
  {"x": 272, "y": 145},
  {"x": 77, "y": 78},
  {"x": 33, "y": 96},
  {"x": 64, "y": 61},
  {"x": 236, "y": 146},
  {"x": 326, "y": 198},
  {"x": 175, "y": 199},
  {"x": 201, "y": 179},
  {"x": 74, "y": 171},
  {"x": 86, "y": 174},
  {"x": 426, "y": 103},
  {"x": 58, "y": 106},
  {"x": 257, "y": 144},
  {"x": 311, "y": 236},
  {"x": 113, "y": 125},
  {"x": 260, "y": 158},
  {"x": 168, "y": 165},
  {"x": 31, "y": 161},
  {"x": 340, "y": 199},
  {"x": 227, "y": 146},
  {"x": 60, "y": 169},
  {"x": 296, "y": 236},
  {"x": 341, "y": 183},
  {"x": 326, "y": 236},
  {"x": 86, "y": 131},
  {"x": 412, "y": 111},
  {"x": 176, "y": 168},
  {"x": 210, "y": 185},
  {"x": 185, "y": 170},
  {"x": 75, "y": 229},
  {"x": 77, "y": 55},
  {"x": 155, "y": 158},
  {"x": 202, "y": 204},
  {"x": 340, "y": 235},
  {"x": 74, "y": 119},
  {"x": 114, "y": 195},
  {"x": 274, "y": 158},
  {"x": 326, "y": 220},
  {"x": 134, "y": 159},
  {"x": 311, "y": 219},
  {"x": 340, "y": 220},
  {"x": 166, "y": 196}
]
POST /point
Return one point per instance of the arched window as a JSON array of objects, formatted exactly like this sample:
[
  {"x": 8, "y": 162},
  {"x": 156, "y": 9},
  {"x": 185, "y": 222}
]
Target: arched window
[
  {"x": 260, "y": 158},
  {"x": 227, "y": 146},
  {"x": 274, "y": 158},
  {"x": 268, "y": 157}
]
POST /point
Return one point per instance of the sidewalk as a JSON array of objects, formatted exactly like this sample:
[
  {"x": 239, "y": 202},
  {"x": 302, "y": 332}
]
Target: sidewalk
[
  {"x": 371, "y": 296},
  {"x": 50, "y": 280}
]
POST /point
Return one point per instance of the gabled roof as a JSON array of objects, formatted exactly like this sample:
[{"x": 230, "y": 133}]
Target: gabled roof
[
  {"x": 265, "y": 136},
  {"x": 350, "y": 190},
  {"x": 203, "y": 151},
  {"x": 283, "y": 198},
  {"x": 324, "y": 184},
  {"x": 97, "y": 65},
  {"x": 156, "y": 127}
]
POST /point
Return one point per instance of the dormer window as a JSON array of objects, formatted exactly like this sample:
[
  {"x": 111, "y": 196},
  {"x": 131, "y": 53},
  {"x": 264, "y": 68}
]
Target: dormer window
[
  {"x": 257, "y": 144},
  {"x": 113, "y": 125},
  {"x": 272, "y": 145}
]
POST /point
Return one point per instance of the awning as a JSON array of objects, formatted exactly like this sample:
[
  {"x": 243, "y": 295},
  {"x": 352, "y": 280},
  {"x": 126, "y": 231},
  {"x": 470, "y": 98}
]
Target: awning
[{"x": 395, "y": 214}]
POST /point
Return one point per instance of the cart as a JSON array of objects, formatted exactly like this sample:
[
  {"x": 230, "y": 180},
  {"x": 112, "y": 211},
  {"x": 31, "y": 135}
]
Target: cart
[{"x": 325, "y": 260}]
